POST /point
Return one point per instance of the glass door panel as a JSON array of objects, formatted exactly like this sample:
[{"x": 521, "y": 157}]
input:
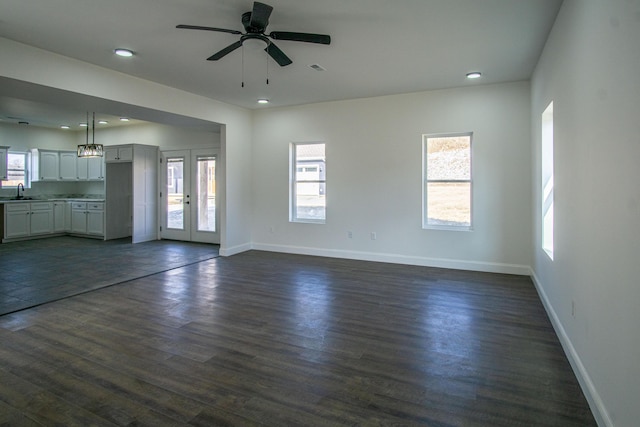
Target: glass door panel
[
  {"x": 206, "y": 193},
  {"x": 175, "y": 193}
]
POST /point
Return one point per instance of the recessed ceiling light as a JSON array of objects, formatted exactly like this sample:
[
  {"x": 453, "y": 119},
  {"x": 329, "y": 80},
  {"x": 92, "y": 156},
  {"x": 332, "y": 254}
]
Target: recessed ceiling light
[
  {"x": 474, "y": 75},
  {"x": 124, "y": 119},
  {"x": 263, "y": 101},
  {"x": 65, "y": 127},
  {"x": 123, "y": 52},
  {"x": 102, "y": 122}
]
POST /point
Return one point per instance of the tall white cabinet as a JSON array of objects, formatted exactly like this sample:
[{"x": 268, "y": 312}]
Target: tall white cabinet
[{"x": 131, "y": 192}]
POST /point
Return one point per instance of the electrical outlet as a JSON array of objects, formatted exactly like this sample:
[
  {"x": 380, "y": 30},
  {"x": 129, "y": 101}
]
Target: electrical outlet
[
  {"x": 350, "y": 234},
  {"x": 374, "y": 236}
]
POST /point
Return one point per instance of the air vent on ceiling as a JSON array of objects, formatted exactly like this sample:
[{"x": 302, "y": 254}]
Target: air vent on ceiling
[{"x": 317, "y": 67}]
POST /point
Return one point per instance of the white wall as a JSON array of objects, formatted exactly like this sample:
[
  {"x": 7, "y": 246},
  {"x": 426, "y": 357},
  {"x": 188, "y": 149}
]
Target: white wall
[
  {"x": 25, "y": 137},
  {"x": 163, "y": 136},
  {"x": 374, "y": 177},
  {"x": 21, "y": 137},
  {"x": 589, "y": 70}
]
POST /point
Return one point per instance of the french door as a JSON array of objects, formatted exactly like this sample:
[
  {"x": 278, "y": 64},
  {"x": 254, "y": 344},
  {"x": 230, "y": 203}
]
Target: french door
[{"x": 189, "y": 208}]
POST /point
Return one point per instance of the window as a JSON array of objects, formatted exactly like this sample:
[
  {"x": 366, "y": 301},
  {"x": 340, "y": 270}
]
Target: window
[
  {"x": 308, "y": 186},
  {"x": 547, "y": 180},
  {"x": 17, "y": 169},
  {"x": 447, "y": 181}
]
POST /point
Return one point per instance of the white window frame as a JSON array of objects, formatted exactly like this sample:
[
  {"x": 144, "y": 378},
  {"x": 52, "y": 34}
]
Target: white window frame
[
  {"x": 426, "y": 181},
  {"x": 546, "y": 185},
  {"x": 293, "y": 180},
  {"x": 27, "y": 169}
]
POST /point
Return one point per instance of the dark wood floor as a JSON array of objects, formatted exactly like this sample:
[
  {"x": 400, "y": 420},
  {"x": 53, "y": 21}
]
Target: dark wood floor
[
  {"x": 284, "y": 340},
  {"x": 34, "y": 272}
]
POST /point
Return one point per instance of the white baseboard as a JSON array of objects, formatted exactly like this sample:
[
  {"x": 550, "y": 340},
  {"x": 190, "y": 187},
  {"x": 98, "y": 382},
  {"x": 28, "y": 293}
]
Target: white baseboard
[
  {"x": 489, "y": 267},
  {"x": 595, "y": 401},
  {"x": 234, "y": 249}
]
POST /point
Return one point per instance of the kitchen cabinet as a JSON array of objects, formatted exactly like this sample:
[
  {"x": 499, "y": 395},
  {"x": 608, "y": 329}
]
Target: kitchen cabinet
[
  {"x": 79, "y": 217},
  {"x": 17, "y": 221},
  {"x": 4, "y": 151},
  {"x": 116, "y": 154},
  {"x": 95, "y": 219},
  {"x": 87, "y": 218},
  {"x": 53, "y": 165},
  {"x": 131, "y": 190},
  {"x": 45, "y": 165},
  {"x": 28, "y": 219},
  {"x": 90, "y": 169},
  {"x": 61, "y": 217},
  {"x": 41, "y": 218},
  {"x": 68, "y": 165}
]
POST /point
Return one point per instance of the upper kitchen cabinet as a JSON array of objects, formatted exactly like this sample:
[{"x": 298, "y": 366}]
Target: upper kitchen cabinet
[
  {"x": 54, "y": 165},
  {"x": 122, "y": 153},
  {"x": 45, "y": 165},
  {"x": 67, "y": 166},
  {"x": 3, "y": 163},
  {"x": 90, "y": 168}
]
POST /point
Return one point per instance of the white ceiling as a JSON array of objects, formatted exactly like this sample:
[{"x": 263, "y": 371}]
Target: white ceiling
[{"x": 378, "y": 47}]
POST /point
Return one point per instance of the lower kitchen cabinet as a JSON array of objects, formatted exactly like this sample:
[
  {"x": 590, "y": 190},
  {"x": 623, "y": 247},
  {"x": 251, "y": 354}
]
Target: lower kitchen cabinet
[
  {"x": 61, "y": 219},
  {"x": 87, "y": 218},
  {"x": 95, "y": 219},
  {"x": 28, "y": 219},
  {"x": 79, "y": 217},
  {"x": 17, "y": 220}
]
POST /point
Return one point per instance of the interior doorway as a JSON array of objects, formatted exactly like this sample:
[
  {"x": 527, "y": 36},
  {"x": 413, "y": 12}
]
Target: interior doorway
[{"x": 188, "y": 196}]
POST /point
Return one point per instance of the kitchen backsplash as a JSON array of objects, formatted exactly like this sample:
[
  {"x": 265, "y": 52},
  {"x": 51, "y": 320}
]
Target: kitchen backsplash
[{"x": 52, "y": 190}]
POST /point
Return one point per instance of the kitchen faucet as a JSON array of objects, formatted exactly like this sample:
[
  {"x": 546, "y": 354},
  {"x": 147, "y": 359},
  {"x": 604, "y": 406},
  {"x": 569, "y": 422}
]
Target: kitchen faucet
[{"x": 19, "y": 196}]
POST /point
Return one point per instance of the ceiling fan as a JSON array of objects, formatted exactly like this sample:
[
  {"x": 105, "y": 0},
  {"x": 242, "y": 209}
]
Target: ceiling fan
[{"x": 255, "y": 23}]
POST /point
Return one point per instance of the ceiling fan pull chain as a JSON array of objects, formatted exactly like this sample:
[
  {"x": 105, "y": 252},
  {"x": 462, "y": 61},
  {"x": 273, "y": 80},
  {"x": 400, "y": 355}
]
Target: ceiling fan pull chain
[
  {"x": 267, "y": 60},
  {"x": 242, "y": 65}
]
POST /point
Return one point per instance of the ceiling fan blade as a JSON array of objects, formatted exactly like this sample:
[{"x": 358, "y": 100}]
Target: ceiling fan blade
[
  {"x": 260, "y": 15},
  {"x": 277, "y": 55},
  {"x": 301, "y": 37},
  {"x": 197, "y": 27},
  {"x": 225, "y": 51}
]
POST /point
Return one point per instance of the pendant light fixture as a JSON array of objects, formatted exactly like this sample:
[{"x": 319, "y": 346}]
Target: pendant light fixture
[{"x": 93, "y": 149}]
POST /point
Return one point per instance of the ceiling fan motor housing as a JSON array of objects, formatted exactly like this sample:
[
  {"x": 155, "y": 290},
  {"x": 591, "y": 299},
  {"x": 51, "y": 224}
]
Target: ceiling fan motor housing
[{"x": 246, "y": 22}]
